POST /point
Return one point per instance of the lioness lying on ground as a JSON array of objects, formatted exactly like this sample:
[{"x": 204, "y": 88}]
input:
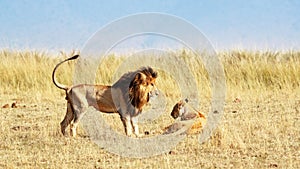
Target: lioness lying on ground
[{"x": 185, "y": 118}]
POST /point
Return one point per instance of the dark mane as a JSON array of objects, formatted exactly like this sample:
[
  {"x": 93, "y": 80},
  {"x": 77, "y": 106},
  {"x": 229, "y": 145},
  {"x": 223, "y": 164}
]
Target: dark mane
[
  {"x": 127, "y": 78},
  {"x": 131, "y": 83},
  {"x": 148, "y": 71}
]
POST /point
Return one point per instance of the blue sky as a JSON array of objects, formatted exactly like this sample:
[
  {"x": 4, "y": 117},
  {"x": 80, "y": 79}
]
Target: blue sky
[{"x": 65, "y": 25}]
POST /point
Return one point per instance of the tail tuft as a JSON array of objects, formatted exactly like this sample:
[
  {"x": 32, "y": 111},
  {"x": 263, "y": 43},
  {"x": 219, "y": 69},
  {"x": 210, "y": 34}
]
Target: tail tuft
[{"x": 73, "y": 57}]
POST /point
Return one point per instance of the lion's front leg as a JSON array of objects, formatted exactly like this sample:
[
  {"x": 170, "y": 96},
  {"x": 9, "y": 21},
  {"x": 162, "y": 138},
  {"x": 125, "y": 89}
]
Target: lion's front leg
[
  {"x": 127, "y": 125},
  {"x": 135, "y": 126}
]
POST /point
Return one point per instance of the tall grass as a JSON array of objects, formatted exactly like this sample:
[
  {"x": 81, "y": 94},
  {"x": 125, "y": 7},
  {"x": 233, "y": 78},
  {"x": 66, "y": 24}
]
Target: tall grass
[
  {"x": 266, "y": 70},
  {"x": 29, "y": 71}
]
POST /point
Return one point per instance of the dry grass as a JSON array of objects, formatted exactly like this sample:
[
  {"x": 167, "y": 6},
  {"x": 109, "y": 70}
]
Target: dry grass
[{"x": 260, "y": 128}]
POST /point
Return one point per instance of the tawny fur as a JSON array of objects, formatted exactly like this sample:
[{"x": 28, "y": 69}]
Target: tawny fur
[
  {"x": 181, "y": 114},
  {"x": 127, "y": 97}
]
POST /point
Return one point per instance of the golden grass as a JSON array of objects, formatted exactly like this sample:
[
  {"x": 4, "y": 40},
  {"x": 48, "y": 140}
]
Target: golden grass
[
  {"x": 268, "y": 70},
  {"x": 260, "y": 130},
  {"x": 28, "y": 71}
]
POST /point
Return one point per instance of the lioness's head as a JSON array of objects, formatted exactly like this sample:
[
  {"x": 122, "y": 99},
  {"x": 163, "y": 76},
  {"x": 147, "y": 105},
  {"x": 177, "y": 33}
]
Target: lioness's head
[
  {"x": 178, "y": 109},
  {"x": 143, "y": 86}
]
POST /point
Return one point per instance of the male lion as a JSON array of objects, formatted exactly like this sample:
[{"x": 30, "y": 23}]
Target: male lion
[{"x": 127, "y": 97}]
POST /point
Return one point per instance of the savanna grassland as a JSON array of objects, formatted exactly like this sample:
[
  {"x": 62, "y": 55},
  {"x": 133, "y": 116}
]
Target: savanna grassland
[{"x": 260, "y": 127}]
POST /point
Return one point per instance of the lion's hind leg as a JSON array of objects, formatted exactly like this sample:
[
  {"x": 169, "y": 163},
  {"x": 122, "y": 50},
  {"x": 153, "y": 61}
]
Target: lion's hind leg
[
  {"x": 67, "y": 119},
  {"x": 79, "y": 112}
]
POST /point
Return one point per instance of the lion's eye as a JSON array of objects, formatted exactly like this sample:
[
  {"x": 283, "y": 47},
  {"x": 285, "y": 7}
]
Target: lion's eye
[{"x": 152, "y": 84}]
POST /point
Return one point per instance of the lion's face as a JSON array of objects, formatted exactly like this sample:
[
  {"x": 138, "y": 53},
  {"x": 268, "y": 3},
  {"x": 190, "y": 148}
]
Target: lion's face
[{"x": 150, "y": 87}]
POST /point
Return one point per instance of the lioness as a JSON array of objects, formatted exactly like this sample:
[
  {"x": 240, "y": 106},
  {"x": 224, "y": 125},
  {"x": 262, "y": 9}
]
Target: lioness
[
  {"x": 127, "y": 97},
  {"x": 183, "y": 115}
]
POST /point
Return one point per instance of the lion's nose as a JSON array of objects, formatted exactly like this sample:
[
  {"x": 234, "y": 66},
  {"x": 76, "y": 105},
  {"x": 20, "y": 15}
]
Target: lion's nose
[{"x": 156, "y": 92}]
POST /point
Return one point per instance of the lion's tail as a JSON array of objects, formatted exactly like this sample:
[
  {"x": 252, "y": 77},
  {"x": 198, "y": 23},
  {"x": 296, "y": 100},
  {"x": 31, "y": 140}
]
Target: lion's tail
[{"x": 57, "y": 84}]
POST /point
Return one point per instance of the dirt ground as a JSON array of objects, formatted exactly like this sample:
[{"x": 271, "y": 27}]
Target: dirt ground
[{"x": 258, "y": 130}]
